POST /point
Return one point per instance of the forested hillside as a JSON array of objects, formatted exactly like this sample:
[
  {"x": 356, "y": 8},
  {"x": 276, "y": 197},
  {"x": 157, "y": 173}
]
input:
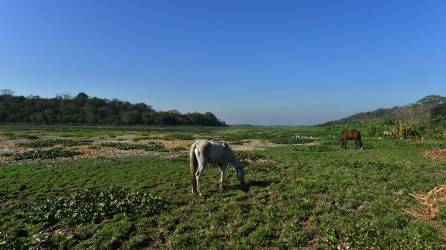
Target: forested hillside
[
  {"x": 427, "y": 116},
  {"x": 431, "y": 107}
]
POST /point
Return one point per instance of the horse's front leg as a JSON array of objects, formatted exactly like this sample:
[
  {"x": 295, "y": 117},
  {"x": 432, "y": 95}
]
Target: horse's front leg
[{"x": 222, "y": 168}]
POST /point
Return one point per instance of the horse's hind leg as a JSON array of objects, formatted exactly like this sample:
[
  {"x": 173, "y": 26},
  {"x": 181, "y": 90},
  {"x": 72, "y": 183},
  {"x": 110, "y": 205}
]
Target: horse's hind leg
[{"x": 201, "y": 166}]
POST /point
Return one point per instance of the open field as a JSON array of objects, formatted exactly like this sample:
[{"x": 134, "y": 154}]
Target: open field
[{"x": 109, "y": 188}]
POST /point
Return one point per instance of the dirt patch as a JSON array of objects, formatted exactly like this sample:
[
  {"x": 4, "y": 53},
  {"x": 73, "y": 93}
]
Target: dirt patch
[
  {"x": 254, "y": 144},
  {"x": 428, "y": 203},
  {"x": 436, "y": 154}
]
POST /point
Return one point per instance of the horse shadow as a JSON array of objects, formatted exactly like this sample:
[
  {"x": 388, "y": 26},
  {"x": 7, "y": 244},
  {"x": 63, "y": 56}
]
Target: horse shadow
[
  {"x": 259, "y": 183},
  {"x": 249, "y": 184}
]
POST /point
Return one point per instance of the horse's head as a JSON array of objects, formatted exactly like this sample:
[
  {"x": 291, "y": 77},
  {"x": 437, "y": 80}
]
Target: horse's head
[
  {"x": 241, "y": 177},
  {"x": 239, "y": 172}
]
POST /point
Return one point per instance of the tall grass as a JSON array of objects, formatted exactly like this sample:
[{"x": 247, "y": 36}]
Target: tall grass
[{"x": 376, "y": 128}]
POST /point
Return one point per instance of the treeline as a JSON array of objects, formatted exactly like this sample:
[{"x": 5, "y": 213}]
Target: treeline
[{"x": 82, "y": 109}]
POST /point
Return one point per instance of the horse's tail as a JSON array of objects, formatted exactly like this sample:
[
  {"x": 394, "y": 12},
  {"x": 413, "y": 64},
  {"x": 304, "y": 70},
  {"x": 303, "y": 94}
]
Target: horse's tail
[{"x": 193, "y": 168}]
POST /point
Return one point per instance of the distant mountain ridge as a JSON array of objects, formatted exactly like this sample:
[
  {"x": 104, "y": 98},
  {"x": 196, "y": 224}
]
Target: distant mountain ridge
[{"x": 428, "y": 108}]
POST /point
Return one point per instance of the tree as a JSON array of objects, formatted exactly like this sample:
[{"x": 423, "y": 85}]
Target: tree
[
  {"x": 6, "y": 92},
  {"x": 130, "y": 117}
]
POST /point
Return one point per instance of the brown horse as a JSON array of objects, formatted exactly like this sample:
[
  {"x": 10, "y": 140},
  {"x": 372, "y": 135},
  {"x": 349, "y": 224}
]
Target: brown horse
[
  {"x": 408, "y": 132},
  {"x": 354, "y": 135}
]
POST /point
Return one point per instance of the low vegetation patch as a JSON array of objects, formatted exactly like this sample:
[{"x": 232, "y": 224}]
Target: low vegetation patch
[
  {"x": 29, "y": 137},
  {"x": 152, "y": 146},
  {"x": 316, "y": 148},
  {"x": 9, "y": 135},
  {"x": 45, "y": 154},
  {"x": 255, "y": 161},
  {"x": 94, "y": 206},
  {"x": 367, "y": 164},
  {"x": 54, "y": 142},
  {"x": 178, "y": 149},
  {"x": 249, "y": 156},
  {"x": 6, "y": 154},
  {"x": 438, "y": 145},
  {"x": 293, "y": 140},
  {"x": 180, "y": 136}
]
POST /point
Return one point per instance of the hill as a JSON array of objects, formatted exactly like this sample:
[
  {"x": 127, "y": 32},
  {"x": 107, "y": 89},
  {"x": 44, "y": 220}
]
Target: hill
[
  {"x": 432, "y": 107},
  {"x": 83, "y": 109}
]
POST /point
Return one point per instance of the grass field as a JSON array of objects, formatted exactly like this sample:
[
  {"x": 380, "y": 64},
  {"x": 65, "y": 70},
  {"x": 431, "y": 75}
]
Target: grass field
[{"x": 302, "y": 192}]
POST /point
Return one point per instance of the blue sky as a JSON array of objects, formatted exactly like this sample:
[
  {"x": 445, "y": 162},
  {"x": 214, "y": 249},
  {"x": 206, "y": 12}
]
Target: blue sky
[{"x": 258, "y": 62}]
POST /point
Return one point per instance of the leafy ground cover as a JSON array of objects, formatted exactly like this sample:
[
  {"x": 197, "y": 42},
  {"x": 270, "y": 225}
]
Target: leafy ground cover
[
  {"x": 54, "y": 142},
  {"x": 152, "y": 146},
  {"x": 44, "y": 154}
]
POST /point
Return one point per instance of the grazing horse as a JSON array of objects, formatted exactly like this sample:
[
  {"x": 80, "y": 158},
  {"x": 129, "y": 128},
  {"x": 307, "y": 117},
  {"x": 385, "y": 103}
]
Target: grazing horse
[
  {"x": 203, "y": 152},
  {"x": 351, "y": 135},
  {"x": 408, "y": 132},
  {"x": 388, "y": 133}
]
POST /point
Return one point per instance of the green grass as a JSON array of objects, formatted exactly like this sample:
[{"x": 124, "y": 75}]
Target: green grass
[{"x": 299, "y": 196}]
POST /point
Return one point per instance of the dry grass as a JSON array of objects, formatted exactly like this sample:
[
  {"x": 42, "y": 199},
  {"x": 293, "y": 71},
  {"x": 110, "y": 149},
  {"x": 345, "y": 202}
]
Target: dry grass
[
  {"x": 428, "y": 203},
  {"x": 436, "y": 154}
]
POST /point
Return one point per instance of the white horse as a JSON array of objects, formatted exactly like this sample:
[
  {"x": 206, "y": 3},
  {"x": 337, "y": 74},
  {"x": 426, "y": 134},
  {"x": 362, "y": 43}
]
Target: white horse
[
  {"x": 387, "y": 133},
  {"x": 203, "y": 152}
]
